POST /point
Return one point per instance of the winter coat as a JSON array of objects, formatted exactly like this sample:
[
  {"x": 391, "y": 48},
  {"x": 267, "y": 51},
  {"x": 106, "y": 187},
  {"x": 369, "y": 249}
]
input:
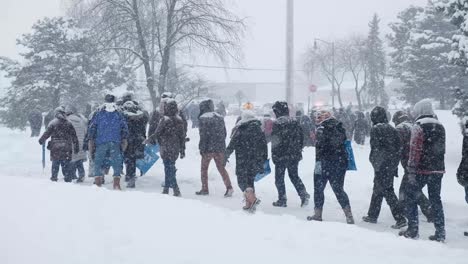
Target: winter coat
[
  {"x": 462, "y": 172},
  {"x": 249, "y": 143},
  {"x": 170, "y": 133},
  {"x": 287, "y": 140},
  {"x": 108, "y": 125},
  {"x": 427, "y": 147},
  {"x": 80, "y": 124},
  {"x": 385, "y": 142},
  {"x": 63, "y": 138},
  {"x": 35, "y": 119},
  {"x": 404, "y": 130},
  {"x": 361, "y": 128},
  {"x": 330, "y": 142},
  {"x": 136, "y": 121},
  {"x": 212, "y": 130}
]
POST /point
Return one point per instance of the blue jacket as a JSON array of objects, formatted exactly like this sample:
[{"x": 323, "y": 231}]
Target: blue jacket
[{"x": 108, "y": 126}]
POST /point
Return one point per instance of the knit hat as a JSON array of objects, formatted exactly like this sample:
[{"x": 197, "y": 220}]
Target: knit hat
[{"x": 423, "y": 107}]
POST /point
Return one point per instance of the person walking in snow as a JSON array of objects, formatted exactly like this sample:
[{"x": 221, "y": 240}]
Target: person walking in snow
[
  {"x": 306, "y": 125},
  {"x": 108, "y": 134},
  {"x": 384, "y": 157},
  {"x": 170, "y": 134},
  {"x": 426, "y": 166},
  {"x": 62, "y": 145},
  {"x": 35, "y": 121},
  {"x": 331, "y": 163},
  {"x": 287, "y": 142},
  {"x": 462, "y": 172},
  {"x": 361, "y": 129},
  {"x": 80, "y": 124},
  {"x": 212, "y": 146},
  {"x": 137, "y": 120},
  {"x": 404, "y": 126},
  {"x": 249, "y": 143}
]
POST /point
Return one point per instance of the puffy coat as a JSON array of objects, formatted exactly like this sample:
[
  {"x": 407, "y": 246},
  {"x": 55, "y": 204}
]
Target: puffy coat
[
  {"x": 212, "y": 129},
  {"x": 80, "y": 124},
  {"x": 249, "y": 143},
  {"x": 384, "y": 141},
  {"x": 330, "y": 142},
  {"x": 287, "y": 137},
  {"x": 108, "y": 125},
  {"x": 137, "y": 121},
  {"x": 171, "y": 133},
  {"x": 63, "y": 138}
]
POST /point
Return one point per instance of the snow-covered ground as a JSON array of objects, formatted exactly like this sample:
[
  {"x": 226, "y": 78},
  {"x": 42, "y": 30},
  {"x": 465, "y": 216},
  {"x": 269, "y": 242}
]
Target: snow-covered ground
[{"x": 45, "y": 222}]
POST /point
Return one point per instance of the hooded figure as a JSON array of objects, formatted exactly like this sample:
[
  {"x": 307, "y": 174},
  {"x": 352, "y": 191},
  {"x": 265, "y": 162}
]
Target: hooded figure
[
  {"x": 287, "y": 142},
  {"x": 384, "y": 157},
  {"x": 108, "y": 134},
  {"x": 212, "y": 145},
  {"x": 62, "y": 145},
  {"x": 136, "y": 121},
  {"x": 331, "y": 163},
  {"x": 35, "y": 121},
  {"x": 249, "y": 143},
  {"x": 80, "y": 124},
  {"x": 361, "y": 128},
  {"x": 170, "y": 135},
  {"x": 403, "y": 126},
  {"x": 426, "y": 166}
]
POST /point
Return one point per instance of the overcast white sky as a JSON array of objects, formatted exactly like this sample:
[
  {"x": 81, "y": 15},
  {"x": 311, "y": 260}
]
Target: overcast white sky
[{"x": 264, "y": 45}]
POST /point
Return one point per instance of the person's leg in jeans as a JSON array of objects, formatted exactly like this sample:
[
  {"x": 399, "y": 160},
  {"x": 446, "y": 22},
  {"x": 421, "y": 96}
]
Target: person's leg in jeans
[
  {"x": 170, "y": 174},
  {"x": 320, "y": 182},
  {"x": 293, "y": 173},
  {"x": 116, "y": 159},
  {"x": 55, "y": 170},
  {"x": 434, "y": 185},
  {"x": 376, "y": 200},
  {"x": 412, "y": 206},
  {"x": 80, "y": 169},
  {"x": 99, "y": 159},
  {"x": 280, "y": 170},
  {"x": 205, "y": 164},
  {"x": 219, "y": 161},
  {"x": 392, "y": 201}
]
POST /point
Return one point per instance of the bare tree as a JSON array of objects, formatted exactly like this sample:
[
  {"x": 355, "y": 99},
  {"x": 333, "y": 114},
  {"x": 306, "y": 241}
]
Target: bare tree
[
  {"x": 353, "y": 57},
  {"x": 149, "y": 31}
]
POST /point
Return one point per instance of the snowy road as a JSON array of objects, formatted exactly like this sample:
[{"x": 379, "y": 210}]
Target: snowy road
[{"x": 45, "y": 221}]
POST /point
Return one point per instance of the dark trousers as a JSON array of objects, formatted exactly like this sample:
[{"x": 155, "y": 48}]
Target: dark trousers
[
  {"x": 66, "y": 170},
  {"x": 434, "y": 185},
  {"x": 421, "y": 198},
  {"x": 170, "y": 174},
  {"x": 246, "y": 180},
  {"x": 130, "y": 169},
  {"x": 77, "y": 166},
  {"x": 383, "y": 188},
  {"x": 280, "y": 171},
  {"x": 336, "y": 176}
]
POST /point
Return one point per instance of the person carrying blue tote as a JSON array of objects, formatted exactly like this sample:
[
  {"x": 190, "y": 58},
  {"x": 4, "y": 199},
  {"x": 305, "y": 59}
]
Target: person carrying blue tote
[{"x": 331, "y": 163}]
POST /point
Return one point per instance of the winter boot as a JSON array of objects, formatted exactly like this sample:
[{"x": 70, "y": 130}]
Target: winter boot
[
  {"x": 202, "y": 193},
  {"x": 80, "y": 179},
  {"x": 165, "y": 190},
  {"x": 229, "y": 193},
  {"x": 54, "y": 179},
  {"x": 251, "y": 201},
  {"x": 282, "y": 202},
  {"x": 411, "y": 233},
  {"x": 438, "y": 237},
  {"x": 466, "y": 234},
  {"x": 400, "y": 224},
  {"x": 131, "y": 183},
  {"x": 177, "y": 192},
  {"x": 117, "y": 183},
  {"x": 305, "y": 200},
  {"x": 317, "y": 215},
  {"x": 98, "y": 180},
  {"x": 369, "y": 220},
  {"x": 349, "y": 215}
]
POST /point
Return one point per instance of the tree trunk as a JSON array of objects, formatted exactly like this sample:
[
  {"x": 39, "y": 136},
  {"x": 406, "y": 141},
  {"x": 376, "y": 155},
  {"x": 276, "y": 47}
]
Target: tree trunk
[
  {"x": 358, "y": 94},
  {"x": 443, "y": 102},
  {"x": 167, "y": 48},
  {"x": 144, "y": 54}
]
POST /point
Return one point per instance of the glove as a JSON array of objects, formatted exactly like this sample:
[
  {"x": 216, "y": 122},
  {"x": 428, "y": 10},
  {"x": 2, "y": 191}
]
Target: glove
[
  {"x": 182, "y": 154},
  {"x": 412, "y": 178},
  {"x": 318, "y": 168}
]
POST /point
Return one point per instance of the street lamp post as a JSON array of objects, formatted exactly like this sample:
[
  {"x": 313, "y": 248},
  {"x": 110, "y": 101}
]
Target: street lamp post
[
  {"x": 332, "y": 44},
  {"x": 290, "y": 52}
]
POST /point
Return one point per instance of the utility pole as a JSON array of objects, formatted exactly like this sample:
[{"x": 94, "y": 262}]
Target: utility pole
[{"x": 290, "y": 53}]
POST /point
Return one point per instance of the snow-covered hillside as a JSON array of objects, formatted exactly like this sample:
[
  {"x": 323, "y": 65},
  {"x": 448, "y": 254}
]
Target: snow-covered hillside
[{"x": 45, "y": 222}]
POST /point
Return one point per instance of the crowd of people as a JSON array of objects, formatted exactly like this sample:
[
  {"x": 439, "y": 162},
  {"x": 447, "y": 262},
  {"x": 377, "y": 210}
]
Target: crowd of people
[{"x": 115, "y": 134}]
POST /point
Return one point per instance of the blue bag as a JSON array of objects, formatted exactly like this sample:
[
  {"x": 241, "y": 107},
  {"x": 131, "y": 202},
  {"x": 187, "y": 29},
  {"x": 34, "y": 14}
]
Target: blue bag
[
  {"x": 266, "y": 171},
  {"x": 351, "y": 160},
  {"x": 151, "y": 156}
]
